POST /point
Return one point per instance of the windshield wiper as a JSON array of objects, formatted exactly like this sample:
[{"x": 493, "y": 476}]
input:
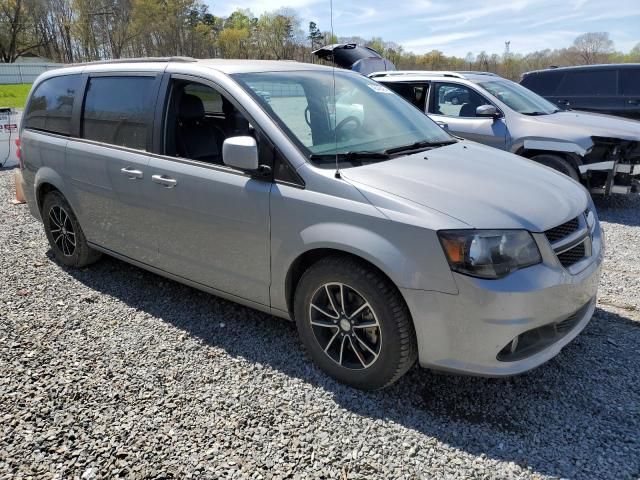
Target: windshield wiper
[
  {"x": 361, "y": 155},
  {"x": 534, "y": 114},
  {"x": 418, "y": 146}
]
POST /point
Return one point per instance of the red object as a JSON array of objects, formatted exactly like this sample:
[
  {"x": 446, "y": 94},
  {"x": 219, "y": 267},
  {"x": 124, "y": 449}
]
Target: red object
[{"x": 19, "y": 154}]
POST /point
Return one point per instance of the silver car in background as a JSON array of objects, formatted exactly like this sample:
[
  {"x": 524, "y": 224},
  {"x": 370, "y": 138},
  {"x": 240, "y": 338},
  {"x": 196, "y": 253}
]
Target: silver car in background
[
  {"x": 320, "y": 197},
  {"x": 601, "y": 151}
]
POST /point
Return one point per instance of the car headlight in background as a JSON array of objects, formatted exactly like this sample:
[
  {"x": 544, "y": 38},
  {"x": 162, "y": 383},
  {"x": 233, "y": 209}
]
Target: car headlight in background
[{"x": 489, "y": 253}]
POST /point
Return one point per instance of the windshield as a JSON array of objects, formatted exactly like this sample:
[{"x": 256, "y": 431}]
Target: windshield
[
  {"x": 519, "y": 98},
  {"x": 365, "y": 121}
]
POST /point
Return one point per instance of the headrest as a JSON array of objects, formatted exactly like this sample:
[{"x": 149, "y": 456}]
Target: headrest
[{"x": 191, "y": 108}]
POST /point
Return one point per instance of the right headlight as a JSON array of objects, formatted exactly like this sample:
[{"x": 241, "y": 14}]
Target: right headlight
[{"x": 489, "y": 253}]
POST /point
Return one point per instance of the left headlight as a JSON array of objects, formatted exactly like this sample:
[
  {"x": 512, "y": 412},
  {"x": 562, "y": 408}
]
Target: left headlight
[{"x": 489, "y": 253}]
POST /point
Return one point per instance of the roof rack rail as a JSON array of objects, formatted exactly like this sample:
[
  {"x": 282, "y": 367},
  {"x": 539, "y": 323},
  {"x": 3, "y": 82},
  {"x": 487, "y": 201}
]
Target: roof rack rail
[
  {"x": 139, "y": 60},
  {"x": 394, "y": 73},
  {"x": 435, "y": 73},
  {"x": 477, "y": 72}
]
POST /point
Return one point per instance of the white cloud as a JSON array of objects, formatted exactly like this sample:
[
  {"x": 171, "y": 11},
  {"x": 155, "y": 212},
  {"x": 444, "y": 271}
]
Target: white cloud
[{"x": 437, "y": 41}]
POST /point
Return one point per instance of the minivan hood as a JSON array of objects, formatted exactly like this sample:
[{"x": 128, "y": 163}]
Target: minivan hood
[
  {"x": 587, "y": 124},
  {"x": 481, "y": 186}
]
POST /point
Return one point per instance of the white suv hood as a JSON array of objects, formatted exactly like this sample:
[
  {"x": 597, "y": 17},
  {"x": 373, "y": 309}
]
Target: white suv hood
[
  {"x": 585, "y": 124},
  {"x": 484, "y": 187}
]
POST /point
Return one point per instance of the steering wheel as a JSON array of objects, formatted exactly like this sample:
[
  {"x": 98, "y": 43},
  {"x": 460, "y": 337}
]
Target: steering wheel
[{"x": 346, "y": 121}]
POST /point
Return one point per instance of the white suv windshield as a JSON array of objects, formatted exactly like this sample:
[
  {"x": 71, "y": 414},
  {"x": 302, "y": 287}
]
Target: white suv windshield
[
  {"x": 519, "y": 98},
  {"x": 364, "y": 118}
]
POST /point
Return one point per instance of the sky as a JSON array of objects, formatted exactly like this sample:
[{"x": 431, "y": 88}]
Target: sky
[{"x": 463, "y": 26}]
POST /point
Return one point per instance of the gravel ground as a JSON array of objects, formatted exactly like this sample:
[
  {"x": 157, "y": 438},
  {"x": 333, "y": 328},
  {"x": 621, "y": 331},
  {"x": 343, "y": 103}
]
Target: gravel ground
[{"x": 113, "y": 371}]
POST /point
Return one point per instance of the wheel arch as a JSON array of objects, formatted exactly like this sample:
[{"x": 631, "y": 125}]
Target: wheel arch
[
  {"x": 573, "y": 158},
  {"x": 47, "y": 180},
  {"x": 308, "y": 258}
]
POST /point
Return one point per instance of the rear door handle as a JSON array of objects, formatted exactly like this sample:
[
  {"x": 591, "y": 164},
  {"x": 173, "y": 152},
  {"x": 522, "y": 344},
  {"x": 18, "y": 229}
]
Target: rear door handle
[
  {"x": 131, "y": 173},
  {"x": 164, "y": 180},
  {"x": 633, "y": 101}
]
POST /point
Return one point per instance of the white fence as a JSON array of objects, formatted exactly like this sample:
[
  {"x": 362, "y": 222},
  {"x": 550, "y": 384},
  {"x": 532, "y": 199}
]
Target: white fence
[{"x": 23, "y": 72}]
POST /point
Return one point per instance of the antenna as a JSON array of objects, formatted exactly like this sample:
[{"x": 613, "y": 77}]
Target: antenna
[{"x": 335, "y": 110}]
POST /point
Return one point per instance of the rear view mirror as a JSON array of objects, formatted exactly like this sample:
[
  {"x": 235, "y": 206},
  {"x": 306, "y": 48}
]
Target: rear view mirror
[
  {"x": 487, "y": 111},
  {"x": 241, "y": 153}
]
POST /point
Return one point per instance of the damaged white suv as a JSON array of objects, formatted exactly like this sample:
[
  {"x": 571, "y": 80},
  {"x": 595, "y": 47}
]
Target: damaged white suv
[{"x": 600, "y": 151}]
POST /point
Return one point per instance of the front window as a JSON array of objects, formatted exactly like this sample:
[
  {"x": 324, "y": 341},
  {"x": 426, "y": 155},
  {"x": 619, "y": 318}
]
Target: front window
[
  {"x": 519, "y": 98},
  {"x": 456, "y": 100},
  {"x": 363, "y": 122}
]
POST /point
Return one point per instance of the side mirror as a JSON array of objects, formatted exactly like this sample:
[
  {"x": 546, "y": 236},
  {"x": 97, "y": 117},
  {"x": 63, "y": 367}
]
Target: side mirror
[
  {"x": 487, "y": 111},
  {"x": 241, "y": 153}
]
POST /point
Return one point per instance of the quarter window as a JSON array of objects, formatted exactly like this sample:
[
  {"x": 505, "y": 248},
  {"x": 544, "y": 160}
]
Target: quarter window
[
  {"x": 117, "y": 110},
  {"x": 52, "y": 103}
]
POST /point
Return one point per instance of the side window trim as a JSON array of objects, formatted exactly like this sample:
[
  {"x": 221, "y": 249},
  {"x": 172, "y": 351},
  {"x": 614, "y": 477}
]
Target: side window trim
[
  {"x": 434, "y": 90},
  {"x": 79, "y": 115},
  {"x": 161, "y": 112},
  {"x": 78, "y": 106}
]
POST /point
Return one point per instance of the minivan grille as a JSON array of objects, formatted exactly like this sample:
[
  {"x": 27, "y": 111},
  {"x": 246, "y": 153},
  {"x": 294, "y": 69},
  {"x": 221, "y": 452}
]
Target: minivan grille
[
  {"x": 561, "y": 231},
  {"x": 578, "y": 248},
  {"x": 572, "y": 255}
]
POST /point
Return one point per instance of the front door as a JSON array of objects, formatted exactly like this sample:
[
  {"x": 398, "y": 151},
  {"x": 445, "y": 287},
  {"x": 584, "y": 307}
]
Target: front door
[
  {"x": 454, "y": 106},
  {"x": 213, "y": 221}
]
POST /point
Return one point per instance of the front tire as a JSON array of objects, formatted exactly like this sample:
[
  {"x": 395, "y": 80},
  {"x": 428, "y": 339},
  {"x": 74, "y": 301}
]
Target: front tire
[
  {"x": 354, "y": 323},
  {"x": 63, "y": 231},
  {"x": 557, "y": 163}
]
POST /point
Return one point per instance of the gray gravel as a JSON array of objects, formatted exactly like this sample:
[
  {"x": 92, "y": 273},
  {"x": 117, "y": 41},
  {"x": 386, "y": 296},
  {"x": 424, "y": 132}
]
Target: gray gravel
[{"x": 112, "y": 371}]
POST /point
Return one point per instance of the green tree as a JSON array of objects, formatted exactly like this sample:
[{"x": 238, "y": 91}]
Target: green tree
[{"x": 315, "y": 36}]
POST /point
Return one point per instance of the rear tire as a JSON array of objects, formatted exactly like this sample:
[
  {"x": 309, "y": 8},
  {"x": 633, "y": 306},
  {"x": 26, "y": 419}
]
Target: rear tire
[
  {"x": 362, "y": 333},
  {"x": 63, "y": 231},
  {"x": 557, "y": 163}
]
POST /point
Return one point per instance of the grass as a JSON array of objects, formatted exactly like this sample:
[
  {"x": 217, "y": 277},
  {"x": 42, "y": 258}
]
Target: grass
[{"x": 14, "y": 95}]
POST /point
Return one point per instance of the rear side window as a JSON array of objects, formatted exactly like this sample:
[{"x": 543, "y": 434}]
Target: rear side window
[
  {"x": 52, "y": 103},
  {"x": 542, "y": 83},
  {"x": 589, "y": 83},
  {"x": 118, "y": 110},
  {"x": 630, "y": 81},
  {"x": 415, "y": 94}
]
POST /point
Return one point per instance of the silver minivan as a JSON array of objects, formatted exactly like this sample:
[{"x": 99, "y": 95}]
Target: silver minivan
[{"x": 319, "y": 196}]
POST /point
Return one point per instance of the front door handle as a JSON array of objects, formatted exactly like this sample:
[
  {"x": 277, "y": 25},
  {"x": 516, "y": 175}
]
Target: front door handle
[
  {"x": 164, "y": 180},
  {"x": 131, "y": 173},
  {"x": 444, "y": 126}
]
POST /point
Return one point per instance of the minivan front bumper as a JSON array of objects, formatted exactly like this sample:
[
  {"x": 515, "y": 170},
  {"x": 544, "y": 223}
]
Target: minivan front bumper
[{"x": 545, "y": 306}]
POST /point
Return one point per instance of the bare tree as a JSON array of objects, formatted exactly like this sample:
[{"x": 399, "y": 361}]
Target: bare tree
[{"x": 593, "y": 47}]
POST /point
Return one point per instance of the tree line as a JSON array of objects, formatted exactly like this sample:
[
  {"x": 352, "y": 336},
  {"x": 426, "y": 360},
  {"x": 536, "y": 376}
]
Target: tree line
[{"x": 72, "y": 31}]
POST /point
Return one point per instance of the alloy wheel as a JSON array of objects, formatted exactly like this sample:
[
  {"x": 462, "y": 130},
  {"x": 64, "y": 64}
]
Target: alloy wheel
[
  {"x": 345, "y": 326},
  {"x": 62, "y": 231}
]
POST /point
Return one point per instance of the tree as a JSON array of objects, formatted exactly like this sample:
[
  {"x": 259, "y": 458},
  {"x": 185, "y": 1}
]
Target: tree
[
  {"x": 315, "y": 36},
  {"x": 593, "y": 47},
  {"x": 17, "y": 33}
]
